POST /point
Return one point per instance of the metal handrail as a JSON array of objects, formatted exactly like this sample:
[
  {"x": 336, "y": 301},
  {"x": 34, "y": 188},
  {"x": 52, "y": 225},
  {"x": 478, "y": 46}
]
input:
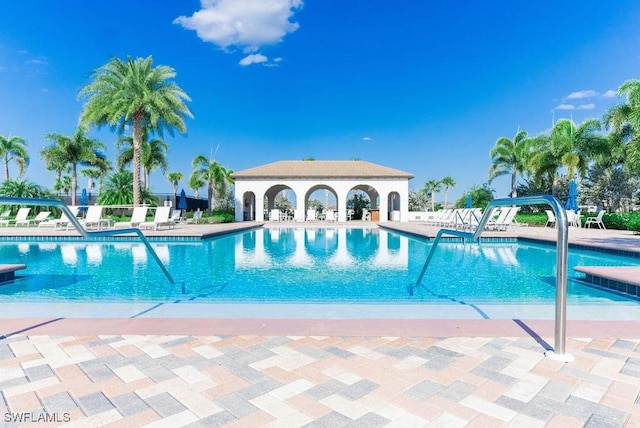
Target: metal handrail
[
  {"x": 9, "y": 200},
  {"x": 562, "y": 250}
]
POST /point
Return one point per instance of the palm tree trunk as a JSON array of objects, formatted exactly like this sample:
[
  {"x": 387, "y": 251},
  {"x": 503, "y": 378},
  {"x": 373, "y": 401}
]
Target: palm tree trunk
[
  {"x": 210, "y": 198},
  {"x": 6, "y": 168},
  {"x": 446, "y": 196},
  {"x": 137, "y": 138},
  {"x": 74, "y": 184}
]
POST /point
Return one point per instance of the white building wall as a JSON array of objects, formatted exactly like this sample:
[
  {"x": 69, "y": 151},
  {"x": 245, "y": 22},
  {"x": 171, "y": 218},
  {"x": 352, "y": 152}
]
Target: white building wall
[{"x": 341, "y": 187}]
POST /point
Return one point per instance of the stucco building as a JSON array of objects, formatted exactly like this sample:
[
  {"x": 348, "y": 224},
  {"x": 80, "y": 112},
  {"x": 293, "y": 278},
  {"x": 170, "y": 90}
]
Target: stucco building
[{"x": 387, "y": 188}]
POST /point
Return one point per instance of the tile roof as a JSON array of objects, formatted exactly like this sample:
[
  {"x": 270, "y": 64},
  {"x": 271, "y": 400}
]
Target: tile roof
[{"x": 321, "y": 169}]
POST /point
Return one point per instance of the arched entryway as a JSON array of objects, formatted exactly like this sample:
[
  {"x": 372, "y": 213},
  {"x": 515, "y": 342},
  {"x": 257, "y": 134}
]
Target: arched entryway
[
  {"x": 364, "y": 200},
  {"x": 394, "y": 206},
  {"x": 321, "y": 198},
  {"x": 249, "y": 206}
]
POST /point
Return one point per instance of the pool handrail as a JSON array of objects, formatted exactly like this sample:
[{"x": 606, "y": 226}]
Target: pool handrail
[
  {"x": 562, "y": 251},
  {"x": 11, "y": 200}
]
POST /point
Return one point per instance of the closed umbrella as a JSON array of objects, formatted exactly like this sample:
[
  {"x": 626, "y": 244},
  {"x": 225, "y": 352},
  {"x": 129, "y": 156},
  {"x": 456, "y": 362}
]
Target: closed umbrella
[
  {"x": 182, "y": 202},
  {"x": 572, "y": 199},
  {"x": 84, "y": 201},
  {"x": 469, "y": 202}
]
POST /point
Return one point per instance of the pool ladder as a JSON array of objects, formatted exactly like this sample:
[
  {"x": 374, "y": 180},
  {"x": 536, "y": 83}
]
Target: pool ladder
[
  {"x": 8, "y": 200},
  {"x": 562, "y": 250}
]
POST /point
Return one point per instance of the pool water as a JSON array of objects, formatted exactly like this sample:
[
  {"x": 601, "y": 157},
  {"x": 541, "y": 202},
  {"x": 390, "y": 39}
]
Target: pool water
[{"x": 298, "y": 265}]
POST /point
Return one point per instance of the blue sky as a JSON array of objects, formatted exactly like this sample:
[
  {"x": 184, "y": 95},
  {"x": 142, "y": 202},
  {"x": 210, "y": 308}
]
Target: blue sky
[{"x": 422, "y": 86}]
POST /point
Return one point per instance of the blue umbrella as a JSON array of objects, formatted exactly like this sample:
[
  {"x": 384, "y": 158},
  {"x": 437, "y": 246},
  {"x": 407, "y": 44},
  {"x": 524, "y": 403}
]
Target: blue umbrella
[
  {"x": 572, "y": 199},
  {"x": 84, "y": 200},
  {"x": 469, "y": 202},
  {"x": 182, "y": 202}
]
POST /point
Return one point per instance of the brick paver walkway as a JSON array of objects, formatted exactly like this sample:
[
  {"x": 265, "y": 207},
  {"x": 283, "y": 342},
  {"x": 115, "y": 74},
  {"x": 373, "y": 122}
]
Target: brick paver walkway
[{"x": 316, "y": 381}]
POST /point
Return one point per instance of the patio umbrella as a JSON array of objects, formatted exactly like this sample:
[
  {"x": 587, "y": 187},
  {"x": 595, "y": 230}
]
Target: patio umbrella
[
  {"x": 469, "y": 202},
  {"x": 572, "y": 199},
  {"x": 182, "y": 202},
  {"x": 84, "y": 200}
]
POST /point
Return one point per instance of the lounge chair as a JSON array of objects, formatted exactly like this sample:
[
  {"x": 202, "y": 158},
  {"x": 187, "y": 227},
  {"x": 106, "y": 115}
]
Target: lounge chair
[
  {"x": 551, "y": 218},
  {"x": 42, "y": 216},
  {"x": 311, "y": 215},
  {"x": 196, "y": 217},
  {"x": 274, "y": 215},
  {"x": 63, "y": 221},
  {"x": 94, "y": 218},
  {"x": 161, "y": 218},
  {"x": 176, "y": 217},
  {"x": 21, "y": 217},
  {"x": 139, "y": 215},
  {"x": 366, "y": 215},
  {"x": 597, "y": 220},
  {"x": 330, "y": 216}
]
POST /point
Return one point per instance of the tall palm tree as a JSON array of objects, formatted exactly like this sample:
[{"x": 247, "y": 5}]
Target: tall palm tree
[
  {"x": 74, "y": 150},
  {"x": 624, "y": 119},
  {"x": 211, "y": 172},
  {"x": 447, "y": 182},
  {"x": 54, "y": 160},
  {"x": 153, "y": 155},
  {"x": 174, "y": 178},
  {"x": 134, "y": 93},
  {"x": 14, "y": 149},
  {"x": 432, "y": 187},
  {"x": 570, "y": 147},
  {"x": 195, "y": 183},
  {"x": 509, "y": 157}
]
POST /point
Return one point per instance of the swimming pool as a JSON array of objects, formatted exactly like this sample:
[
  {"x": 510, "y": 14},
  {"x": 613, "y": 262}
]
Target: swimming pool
[{"x": 321, "y": 265}]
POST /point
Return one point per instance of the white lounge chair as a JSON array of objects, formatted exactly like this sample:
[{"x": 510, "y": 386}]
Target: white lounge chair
[
  {"x": 274, "y": 215},
  {"x": 597, "y": 220},
  {"x": 196, "y": 217},
  {"x": 551, "y": 218},
  {"x": 176, "y": 217},
  {"x": 63, "y": 221},
  {"x": 366, "y": 215},
  {"x": 161, "y": 218},
  {"x": 21, "y": 217},
  {"x": 330, "y": 216},
  {"x": 139, "y": 215},
  {"x": 93, "y": 218},
  {"x": 311, "y": 215},
  {"x": 42, "y": 216}
]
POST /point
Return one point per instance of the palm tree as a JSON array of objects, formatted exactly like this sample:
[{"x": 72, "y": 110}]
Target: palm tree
[
  {"x": 195, "y": 183},
  {"x": 447, "y": 182},
  {"x": 118, "y": 190},
  {"x": 14, "y": 149},
  {"x": 624, "y": 119},
  {"x": 509, "y": 157},
  {"x": 568, "y": 146},
  {"x": 54, "y": 160},
  {"x": 75, "y": 150},
  {"x": 211, "y": 172},
  {"x": 152, "y": 101},
  {"x": 432, "y": 187},
  {"x": 153, "y": 155},
  {"x": 175, "y": 177}
]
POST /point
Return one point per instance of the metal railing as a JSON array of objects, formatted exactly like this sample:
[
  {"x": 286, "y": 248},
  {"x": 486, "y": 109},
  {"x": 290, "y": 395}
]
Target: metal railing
[
  {"x": 7, "y": 200},
  {"x": 562, "y": 251}
]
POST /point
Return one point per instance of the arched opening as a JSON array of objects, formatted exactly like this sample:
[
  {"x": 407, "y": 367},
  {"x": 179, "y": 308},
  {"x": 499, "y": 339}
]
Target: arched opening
[
  {"x": 363, "y": 203},
  {"x": 393, "y": 206},
  {"x": 321, "y": 198},
  {"x": 282, "y": 198},
  {"x": 249, "y": 206}
]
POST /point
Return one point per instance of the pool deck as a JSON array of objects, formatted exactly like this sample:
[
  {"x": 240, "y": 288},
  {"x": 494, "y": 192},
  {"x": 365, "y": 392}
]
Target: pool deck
[{"x": 242, "y": 372}]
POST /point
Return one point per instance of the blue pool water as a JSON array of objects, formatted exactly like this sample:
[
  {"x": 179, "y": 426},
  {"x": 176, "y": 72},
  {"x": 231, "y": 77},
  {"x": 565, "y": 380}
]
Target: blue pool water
[{"x": 297, "y": 265}]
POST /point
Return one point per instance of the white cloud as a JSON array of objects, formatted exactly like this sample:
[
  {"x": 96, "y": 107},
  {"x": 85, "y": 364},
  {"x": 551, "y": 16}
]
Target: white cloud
[
  {"x": 566, "y": 107},
  {"x": 589, "y": 106},
  {"x": 253, "y": 59},
  {"x": 366, "y": 138},
  {"x": 245, "y": 24},
  {"x": 582, "y": 94},
  {"x": 610, "y": 94}
]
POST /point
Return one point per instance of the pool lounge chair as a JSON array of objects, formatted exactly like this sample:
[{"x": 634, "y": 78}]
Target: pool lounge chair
[
  {"x": 63, "y": 221},
  {"x": 161, "y": 218},
  {"x": 21, "y": 217},
  {"x": 196, "y": 217},
  {"x": 330, "y": 216},
  {"x": 597, "y": 220},
  {"x": 551, "y": 218},
  {"x": 138, "y": 216},
  {"x": 176, "y": 217},
  {"x": 311, "y": 215},
  {"x": 42, "y": 216},
  {"x": 93, "y": 218}
]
